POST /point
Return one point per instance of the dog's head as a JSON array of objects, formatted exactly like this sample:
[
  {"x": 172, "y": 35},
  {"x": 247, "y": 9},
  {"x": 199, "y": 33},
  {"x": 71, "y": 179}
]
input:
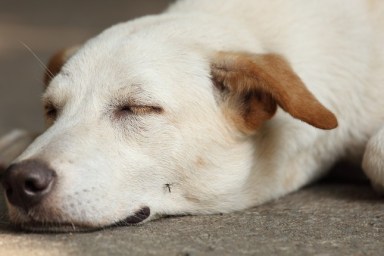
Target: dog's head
[{"x": 140, "y": 129}]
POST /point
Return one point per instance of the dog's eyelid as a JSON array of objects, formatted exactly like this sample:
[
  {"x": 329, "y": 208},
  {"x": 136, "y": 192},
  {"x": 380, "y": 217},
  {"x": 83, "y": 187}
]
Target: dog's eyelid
[
  {"x": 48, "y": 102},
  {"x": 51, "y": 109},
  {"x": 49, "y": 105},
  {"x": 139, "y": 109}
]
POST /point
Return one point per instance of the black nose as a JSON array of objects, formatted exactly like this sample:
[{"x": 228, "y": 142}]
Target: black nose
[{"x": 27, "y": 183}]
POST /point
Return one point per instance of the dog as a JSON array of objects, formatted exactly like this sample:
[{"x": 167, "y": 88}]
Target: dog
[{"x": 209, "y": 107}]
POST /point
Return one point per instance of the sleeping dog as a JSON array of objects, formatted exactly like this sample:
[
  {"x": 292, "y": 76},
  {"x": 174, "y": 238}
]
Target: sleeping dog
[{"x": 210, "y": 107}]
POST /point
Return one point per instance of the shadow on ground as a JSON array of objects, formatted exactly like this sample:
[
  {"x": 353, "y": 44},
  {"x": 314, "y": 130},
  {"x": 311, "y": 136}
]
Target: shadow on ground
[{"x": 328, "y": 218}]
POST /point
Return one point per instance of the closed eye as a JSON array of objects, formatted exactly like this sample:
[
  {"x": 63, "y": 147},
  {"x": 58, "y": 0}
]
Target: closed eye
[
  {"x": 51, "y": 111},
  {"x": 138, "y": 110}
]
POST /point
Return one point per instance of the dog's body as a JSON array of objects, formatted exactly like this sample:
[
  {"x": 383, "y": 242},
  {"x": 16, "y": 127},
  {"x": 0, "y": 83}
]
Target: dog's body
[{"x": 172, "y": 114}]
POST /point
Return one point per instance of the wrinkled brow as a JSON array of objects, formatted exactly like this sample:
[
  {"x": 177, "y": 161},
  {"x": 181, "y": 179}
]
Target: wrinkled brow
[
  {"x": 133, "y": 94},
  {"x": 56, "y": 97}
]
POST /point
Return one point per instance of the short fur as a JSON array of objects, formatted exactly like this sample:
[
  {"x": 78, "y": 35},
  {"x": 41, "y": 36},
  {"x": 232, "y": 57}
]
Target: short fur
[{"x": 199, "y": 109}]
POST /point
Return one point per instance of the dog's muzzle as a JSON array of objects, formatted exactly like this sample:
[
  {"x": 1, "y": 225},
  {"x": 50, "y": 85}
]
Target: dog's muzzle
[{"x": 28, "y": 183}]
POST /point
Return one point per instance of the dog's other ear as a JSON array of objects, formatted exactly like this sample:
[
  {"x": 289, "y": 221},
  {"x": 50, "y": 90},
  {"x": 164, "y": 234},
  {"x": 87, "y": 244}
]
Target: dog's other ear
[
  {"x": 253, "y": 85},
  {"x": 56, "y": 63}
]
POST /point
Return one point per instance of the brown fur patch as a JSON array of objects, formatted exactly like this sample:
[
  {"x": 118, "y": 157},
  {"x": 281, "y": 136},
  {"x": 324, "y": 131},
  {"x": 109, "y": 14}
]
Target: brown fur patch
[
  {"x": 200, "y": 162},
  {"x": 56, "y": 63},
  {"x": 253, "y": 86}
]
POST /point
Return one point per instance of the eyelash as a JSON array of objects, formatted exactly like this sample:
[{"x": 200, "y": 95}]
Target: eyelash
[
  {"x": 138, "y": 110},
  {"x": 51, "y": 111}
]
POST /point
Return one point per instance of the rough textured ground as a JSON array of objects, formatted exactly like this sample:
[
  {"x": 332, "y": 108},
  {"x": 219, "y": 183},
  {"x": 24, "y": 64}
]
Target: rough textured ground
[
  {"x": 326, "y": 219},
  {"x": 330, "y": 218}
]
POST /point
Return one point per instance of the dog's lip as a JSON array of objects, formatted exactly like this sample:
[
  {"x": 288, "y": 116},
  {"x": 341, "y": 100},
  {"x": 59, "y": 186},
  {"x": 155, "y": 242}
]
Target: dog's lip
[
  {"x": 138, "y": 217},
  {"x": 65, "y": 227}
]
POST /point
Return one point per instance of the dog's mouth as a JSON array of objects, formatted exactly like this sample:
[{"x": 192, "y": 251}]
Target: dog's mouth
[{"x": 65, "y": 227}]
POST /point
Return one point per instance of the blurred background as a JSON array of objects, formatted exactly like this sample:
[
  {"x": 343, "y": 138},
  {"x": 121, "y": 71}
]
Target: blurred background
[{"x": 47, "y": 26}]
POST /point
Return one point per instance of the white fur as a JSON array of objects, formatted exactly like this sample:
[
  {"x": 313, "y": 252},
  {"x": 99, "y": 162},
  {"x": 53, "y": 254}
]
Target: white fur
[{"x": 108, "y": 168}]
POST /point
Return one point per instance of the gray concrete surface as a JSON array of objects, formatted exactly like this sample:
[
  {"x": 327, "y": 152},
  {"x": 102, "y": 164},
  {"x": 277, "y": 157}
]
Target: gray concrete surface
[
  {"x": 331, "y": 218},
  {"x": 327, "y": 219}
]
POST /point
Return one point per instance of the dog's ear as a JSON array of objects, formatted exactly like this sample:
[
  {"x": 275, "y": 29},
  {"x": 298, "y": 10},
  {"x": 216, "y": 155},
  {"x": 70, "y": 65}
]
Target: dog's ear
[
  {"x": 56, "y": 62},
  {"x": 252, "y": 86}
]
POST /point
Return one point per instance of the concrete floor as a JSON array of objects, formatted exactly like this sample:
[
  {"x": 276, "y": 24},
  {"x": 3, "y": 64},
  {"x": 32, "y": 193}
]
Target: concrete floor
[
  {"x": 326, "y": 219},
  {"x": 330, "y": 218}
]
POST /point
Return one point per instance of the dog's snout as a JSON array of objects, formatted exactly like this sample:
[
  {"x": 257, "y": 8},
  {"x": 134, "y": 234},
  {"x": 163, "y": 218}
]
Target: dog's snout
[{"x": 27, "y": 183}]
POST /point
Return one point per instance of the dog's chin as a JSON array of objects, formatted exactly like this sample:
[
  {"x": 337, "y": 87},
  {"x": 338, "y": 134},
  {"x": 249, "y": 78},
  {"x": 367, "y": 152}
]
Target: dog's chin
[{"x": 31, "y": 225}]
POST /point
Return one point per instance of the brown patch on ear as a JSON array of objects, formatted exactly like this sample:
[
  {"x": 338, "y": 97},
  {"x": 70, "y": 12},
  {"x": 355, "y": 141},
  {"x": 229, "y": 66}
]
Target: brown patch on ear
[
  {"x": 56, "y": 62},
  {"x": 253, "y": 86}
]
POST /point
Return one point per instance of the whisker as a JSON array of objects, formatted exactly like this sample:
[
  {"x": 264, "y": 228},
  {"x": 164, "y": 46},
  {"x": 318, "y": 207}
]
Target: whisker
[
  {"x": 73, "y": 226},
  {"x": 42, "y": 65}
]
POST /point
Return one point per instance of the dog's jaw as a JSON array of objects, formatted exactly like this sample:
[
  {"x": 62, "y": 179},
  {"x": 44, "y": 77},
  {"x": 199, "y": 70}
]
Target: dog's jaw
[{"x": 27, "y": 222}]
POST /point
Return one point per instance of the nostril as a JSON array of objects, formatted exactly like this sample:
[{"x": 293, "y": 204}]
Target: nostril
[
  {"x": 30, "y": 186},
  {"x": 34, "y": 185}
]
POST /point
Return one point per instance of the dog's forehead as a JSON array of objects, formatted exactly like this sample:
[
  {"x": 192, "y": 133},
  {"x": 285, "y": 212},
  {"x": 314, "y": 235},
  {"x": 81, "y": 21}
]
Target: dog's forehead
[
  {"x": 100, "y": 67},
  {"x": 133, "y": 65}
]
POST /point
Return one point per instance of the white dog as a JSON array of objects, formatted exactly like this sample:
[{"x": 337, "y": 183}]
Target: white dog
[{"x": 213, "y": 106}]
